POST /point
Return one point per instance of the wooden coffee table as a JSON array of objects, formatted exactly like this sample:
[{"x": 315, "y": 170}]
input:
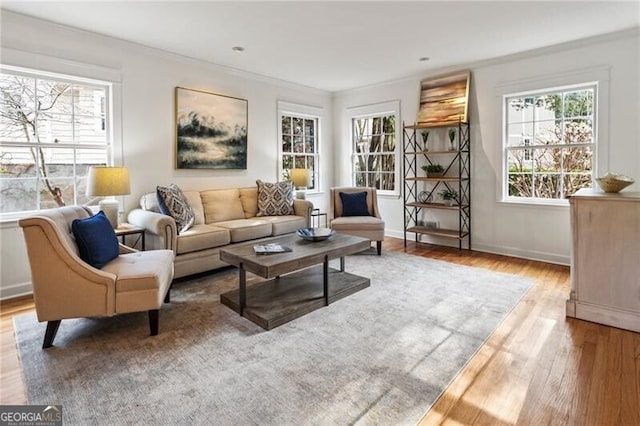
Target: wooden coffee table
[{"x": 298, "y": 282}]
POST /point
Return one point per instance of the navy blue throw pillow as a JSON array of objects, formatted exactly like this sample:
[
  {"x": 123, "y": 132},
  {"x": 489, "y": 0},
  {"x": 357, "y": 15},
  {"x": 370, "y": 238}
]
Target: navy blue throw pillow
[
  {"x": 354, "y": 204},
  {"x": 96, "y": 240}
]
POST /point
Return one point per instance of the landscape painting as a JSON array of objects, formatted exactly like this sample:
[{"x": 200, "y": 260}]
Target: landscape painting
[
  {"x": 211, "y": 130},
  {"x": 444, "y": 100}
]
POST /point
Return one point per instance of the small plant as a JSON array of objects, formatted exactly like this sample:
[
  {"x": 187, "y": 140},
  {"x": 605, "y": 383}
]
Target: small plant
[
  {"x": 425, "y": 138},
  {"x": 449, "y": 196},
  {"x": 433, "y": 168},
  {"x": 452, "y": 135},
  {"x": 452, "y": 139}
]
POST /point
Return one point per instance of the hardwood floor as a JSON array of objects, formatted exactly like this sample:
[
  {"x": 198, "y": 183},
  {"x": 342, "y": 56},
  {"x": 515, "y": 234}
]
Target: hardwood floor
[
  {"x": 538, "y": 367},
  {"x": 12, "y": 390}
]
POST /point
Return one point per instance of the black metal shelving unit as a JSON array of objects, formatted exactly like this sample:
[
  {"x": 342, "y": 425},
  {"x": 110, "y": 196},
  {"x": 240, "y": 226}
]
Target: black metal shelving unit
[{"x": 457, "y": 176}]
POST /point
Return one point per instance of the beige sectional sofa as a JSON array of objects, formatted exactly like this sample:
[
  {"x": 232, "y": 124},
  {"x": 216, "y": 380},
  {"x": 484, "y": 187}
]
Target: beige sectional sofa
[{"x": 222, "y": 217}]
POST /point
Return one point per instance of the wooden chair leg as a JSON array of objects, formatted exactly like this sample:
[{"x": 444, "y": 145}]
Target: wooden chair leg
[
  {"x": 379, "y": 247},
  {"x": 167, "y": 297},
  {"x": 153, "y": 321},
  {"x": 50, "y": 334}
]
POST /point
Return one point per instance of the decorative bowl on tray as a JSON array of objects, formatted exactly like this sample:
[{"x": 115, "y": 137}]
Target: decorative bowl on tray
[
  {"x": 315, "y": 234},
  {"x": 613, "y": 182}
]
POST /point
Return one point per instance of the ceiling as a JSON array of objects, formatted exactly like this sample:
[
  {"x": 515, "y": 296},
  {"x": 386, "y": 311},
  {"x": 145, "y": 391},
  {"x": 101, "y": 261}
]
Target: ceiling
[{"x": 334, "y": 45}]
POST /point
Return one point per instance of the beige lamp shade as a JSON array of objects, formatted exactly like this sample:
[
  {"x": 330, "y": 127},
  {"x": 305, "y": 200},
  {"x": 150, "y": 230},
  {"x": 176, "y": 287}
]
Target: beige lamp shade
[
  {"x": 105, "y": 181},
  {"x": 300, "y": 177},
  {"x": 108, "y": 181}
]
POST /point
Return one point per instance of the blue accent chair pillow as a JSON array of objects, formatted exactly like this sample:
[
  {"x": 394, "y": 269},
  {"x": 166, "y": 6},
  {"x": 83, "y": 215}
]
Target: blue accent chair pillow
[
  {"x": 354, "y": 204},
  {"x": 96, "y": 240}
]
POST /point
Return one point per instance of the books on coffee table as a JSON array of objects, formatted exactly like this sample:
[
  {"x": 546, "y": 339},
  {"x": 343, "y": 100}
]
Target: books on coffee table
[{"x": 270, "y": 248}]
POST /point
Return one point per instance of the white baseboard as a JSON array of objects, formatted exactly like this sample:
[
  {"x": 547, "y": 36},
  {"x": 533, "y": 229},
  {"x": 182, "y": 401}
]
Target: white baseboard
[
  {"x": 606, "y": 315},
  {"x": 559, "y": 259},
  {"x": 15, "y": 290}
]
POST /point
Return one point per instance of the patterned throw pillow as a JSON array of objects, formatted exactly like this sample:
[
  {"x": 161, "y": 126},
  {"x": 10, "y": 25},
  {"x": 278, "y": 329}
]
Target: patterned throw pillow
[
  {"x": 172, "y": 202},
  {"x": 275, "y": 199}
]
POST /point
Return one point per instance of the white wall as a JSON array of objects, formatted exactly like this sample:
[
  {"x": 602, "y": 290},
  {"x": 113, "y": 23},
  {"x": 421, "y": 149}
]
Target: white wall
[
  {"x": 536, "y": 232},
  {"x": 146, "y": 139}
]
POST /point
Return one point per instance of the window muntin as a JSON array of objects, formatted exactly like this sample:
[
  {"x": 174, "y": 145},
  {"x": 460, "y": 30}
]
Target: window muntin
[
  {"x": 299, "y": 146},
  {"x": 52, "y": 129},
  {"x": 549, "y": 143},
  {"x": 374, "y": 151}
]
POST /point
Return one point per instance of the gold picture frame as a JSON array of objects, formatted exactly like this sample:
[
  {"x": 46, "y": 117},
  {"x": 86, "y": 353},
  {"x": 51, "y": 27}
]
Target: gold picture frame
[{"x": 444, "y": 100}]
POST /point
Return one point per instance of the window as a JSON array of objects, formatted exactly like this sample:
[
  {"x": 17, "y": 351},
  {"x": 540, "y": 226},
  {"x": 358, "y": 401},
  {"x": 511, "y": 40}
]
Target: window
[
  {"x": 374, "y": 158},
  {"x": 549, "y": 142},
  {"x": 52, "y": 129},
  {"x": 299, "y": 133}
]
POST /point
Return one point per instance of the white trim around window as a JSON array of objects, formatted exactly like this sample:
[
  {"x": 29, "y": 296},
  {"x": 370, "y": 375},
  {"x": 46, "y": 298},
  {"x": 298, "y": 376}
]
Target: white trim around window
[
  {"x": 597, "y": 77},
  {"x": 45, "y": 67},
  {"x": 312, "y": 156},
  {"x": 370, "y": 111}
]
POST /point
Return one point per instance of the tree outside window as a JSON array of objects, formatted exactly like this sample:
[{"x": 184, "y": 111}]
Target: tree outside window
[
  {"x": 374, "y": 148},
  {"x": 549, "y": 143},
  {"x": 51, "y": 131}
]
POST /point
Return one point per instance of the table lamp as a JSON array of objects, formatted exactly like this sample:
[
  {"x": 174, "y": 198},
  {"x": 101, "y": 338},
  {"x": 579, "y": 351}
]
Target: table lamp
[
  {"x": 106, "y": 181},
  {"x": 300, "y": 179}
]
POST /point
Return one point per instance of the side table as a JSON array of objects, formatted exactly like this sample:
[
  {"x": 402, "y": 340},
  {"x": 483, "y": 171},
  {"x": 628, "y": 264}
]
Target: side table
[
  {"x": 125, "y": 229},
  {"x": 315, "y": 215}
]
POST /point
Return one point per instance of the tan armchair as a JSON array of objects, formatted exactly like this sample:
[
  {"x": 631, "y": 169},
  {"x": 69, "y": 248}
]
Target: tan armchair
[
  {"x": 64, "y": 286},
  {"x": 371, "y": 226}
]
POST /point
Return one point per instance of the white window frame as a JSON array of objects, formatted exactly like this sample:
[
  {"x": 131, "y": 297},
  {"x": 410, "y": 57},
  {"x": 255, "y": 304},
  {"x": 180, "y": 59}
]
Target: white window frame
[
  {"x": 288, "y": 109},
  {"x": 45, "y": 67},
  {"x": 377, "y": 110},
  {"x": 598, "y": 76}
]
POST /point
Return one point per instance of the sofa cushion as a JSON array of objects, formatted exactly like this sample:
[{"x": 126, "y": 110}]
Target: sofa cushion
[
  {"x": 194, "y": 200},
  {"x": 354, "y": 204},
  {"x": 141, "y": 270},
  {"x": 246, "y": 229},
  {"x": 362, "y": 222},
  {"x": 96, "y": 240},
  {"x": 173, "y": 203},
  {"x": 249, "y": 200},
  {"x": 284, "y": 224},
  {"x": 221, "y": 204},
  {"x": 202, "y": 237},
  {"x": 275, "y": 199},
  {"x": 143, "y": 279}
]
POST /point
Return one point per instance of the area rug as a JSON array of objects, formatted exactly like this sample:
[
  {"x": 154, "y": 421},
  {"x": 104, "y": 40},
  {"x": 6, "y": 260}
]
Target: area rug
[{"x": 380, "y": 356}]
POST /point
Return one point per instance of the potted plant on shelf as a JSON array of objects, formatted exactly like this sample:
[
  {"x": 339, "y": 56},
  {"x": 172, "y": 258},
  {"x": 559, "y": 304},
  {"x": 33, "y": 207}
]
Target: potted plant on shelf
[
  {"x": 425, "y": 138},
  {"x": 452, "y": 139},
  {"x": 433, "y": 170},
  {"x": 449, "y": 196}
]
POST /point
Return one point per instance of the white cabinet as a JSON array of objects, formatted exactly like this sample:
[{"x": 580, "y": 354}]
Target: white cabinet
[{"x": 605, "y": 258}]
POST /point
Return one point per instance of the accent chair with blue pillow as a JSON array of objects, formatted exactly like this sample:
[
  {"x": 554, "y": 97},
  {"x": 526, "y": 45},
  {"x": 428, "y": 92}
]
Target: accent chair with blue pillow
[
  {"x": 78, "y": 270},
  {"x": 355, "y": 212}
]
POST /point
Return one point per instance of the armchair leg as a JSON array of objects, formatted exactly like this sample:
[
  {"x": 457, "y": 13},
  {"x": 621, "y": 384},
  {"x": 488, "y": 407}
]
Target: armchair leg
[
  {"x": 167, "y": 297},
  {"x": 153, "y": 321},
  {"x": 50, "y": 334},
  {"x": 379, "y": 247}
]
